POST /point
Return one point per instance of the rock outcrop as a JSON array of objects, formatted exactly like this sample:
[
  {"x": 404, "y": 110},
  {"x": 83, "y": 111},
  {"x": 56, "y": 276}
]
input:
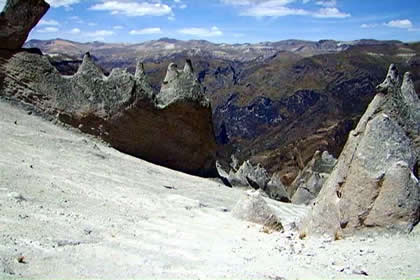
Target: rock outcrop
[
  {"x": 276, "y": 190},
  {"x": 375, "y": 182},
  {"x": 253, "y": 208},
  {"x": 173, "y": 128},
  {"x": 17, "y": 19},
  {"x": 249, "y": 175},
  {"x": 309, "y": 182},
  {"x": 257, "y": 178}
]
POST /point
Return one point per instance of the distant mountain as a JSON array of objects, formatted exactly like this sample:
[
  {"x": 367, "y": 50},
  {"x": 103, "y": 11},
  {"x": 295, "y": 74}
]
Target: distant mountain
[{"x": 156, "y": 49}]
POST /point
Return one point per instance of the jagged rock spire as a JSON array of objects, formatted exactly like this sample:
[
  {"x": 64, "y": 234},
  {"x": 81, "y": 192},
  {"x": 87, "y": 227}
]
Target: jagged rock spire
[
  {"x": 172, "y": 73},
  {"x": 139, "y": 70},
  {"x": 188, "y": 68},
  {"x": 392, "y": 79},
  {"x": 408, "y": 90},
  {"x": 88, "y": 67}
]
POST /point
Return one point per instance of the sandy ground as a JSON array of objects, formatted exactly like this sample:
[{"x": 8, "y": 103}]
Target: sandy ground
[{"x": 73, "y": 208}]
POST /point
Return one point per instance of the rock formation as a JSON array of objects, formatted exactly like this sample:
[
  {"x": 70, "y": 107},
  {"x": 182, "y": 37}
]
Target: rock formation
[
  {"x": 17, "y": 19},
  {"x": 122, "y": 109},
  {"x": 307, "y": 185},
  {"x": 253, "y": 208},
  {"x": 375, "y": 182},
  {"x": 276, "y": 190},
  {"x": 173, "y": 128},
  {"x": 257, "y": 178}
]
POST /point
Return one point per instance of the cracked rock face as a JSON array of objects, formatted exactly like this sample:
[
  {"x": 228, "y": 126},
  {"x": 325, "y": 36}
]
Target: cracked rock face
[
  {"x": 17, "y": 19},
  {"x": 375, "y": 183}
]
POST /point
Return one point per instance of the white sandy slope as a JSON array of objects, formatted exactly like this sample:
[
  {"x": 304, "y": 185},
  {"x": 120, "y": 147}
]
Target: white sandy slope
[{"x": 77, "y": 209}]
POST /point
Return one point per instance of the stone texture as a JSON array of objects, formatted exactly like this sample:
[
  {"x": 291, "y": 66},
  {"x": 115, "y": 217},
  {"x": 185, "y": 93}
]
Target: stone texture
[
  {"x": 249, "y": 175},
  {"x": 254, "y": 208},
  {"x": 173, "y": 128},
  {"x": 17, "y": 19},
  {"x": 276, "y": 190},
  {"x": 308, "y": 184},
  {"x": 375, "y": 183}
]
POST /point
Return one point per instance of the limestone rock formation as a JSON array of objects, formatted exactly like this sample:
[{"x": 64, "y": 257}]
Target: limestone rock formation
[
  {"x": 17, "y": 19},
  {"x": 276, "y": 190},
  {"x": 257, "y": 178},
  {"x": 173, "y": 129},
  {"x": 253, "y": 208},
  {"x": 375, "y": 182},
  {"x": 249, "y": 175},
  {"x": 309, "y": 182}
]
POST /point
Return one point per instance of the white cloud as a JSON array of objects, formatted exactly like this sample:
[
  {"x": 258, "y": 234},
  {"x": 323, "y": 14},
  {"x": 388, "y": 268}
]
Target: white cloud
[
  {"x": 327, "y": 3},
  {"x": 183, "y": 6},
  {"x": 48, "y": 22},
  {"x": 62, "y": 3},
  {"x": 118, "y": 27},
  {"x": 146, "y": 31},
  {"x": 369, "y": 25},
  {"x": 330, "y": 13},
  {"x": 48, "y": 29},
  {"x": 75, "y": 31},
  {"x": 133, "y": 8},
  {"x": 100, "y": 33},
  {"x": 272, "y": 9},
  {"x": 400, "y": 23},
  {"x": 202, "y": 32},
  {"x": 2, "y": 3},
  {"x": 280, "y": 8}
]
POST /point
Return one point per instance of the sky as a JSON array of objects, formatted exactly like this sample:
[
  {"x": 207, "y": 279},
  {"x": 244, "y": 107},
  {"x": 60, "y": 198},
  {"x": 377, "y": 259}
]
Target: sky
[{"x": 229, "y": 21}]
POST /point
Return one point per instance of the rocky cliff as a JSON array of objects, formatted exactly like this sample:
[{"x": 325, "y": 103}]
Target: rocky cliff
[
  {"x": 17, "y": 19},
  {"x": 172, "y": 128},
  {"x": 375, "y": 183}
]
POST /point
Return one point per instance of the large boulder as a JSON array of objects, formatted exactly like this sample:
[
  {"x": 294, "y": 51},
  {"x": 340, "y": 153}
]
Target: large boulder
[
  {"x": 173, "y": 128},
  {"x": 253, "y": 208},
  {"x": 375, "y": 182},
  {"x": 276, "y": 190},
  {"x": 17, "y": 19},
  {"x": 308, "y": 184}
]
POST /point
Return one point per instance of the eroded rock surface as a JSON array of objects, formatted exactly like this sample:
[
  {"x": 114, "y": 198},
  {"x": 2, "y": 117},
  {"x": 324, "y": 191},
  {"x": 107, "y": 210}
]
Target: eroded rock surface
[
  {"x": 173, "y": 128},
  {"x": 253, "y": 208},
  {"x": 308, "y": 184},
  {"x": 375, "y": 182},
  {"x": 17, "y": 19}
]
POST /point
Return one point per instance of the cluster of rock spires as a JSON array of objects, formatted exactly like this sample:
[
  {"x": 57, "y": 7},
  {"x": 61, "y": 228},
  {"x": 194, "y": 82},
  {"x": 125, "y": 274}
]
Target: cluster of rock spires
[
  {"x": 375, "y": 182},
  {"x": 256, "y": 177},
  {"x": 172, "y": 128}
]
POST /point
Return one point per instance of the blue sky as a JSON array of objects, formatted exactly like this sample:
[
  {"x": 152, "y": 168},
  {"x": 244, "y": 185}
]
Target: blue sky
[{"x": 230, "y": 21}]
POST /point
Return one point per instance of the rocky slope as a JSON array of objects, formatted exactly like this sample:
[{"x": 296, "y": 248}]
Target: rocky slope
[
  {"x": 121, "y": 108},
  {"x": 375, "y": 184},
  {"x": 74, "y": 208}
]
